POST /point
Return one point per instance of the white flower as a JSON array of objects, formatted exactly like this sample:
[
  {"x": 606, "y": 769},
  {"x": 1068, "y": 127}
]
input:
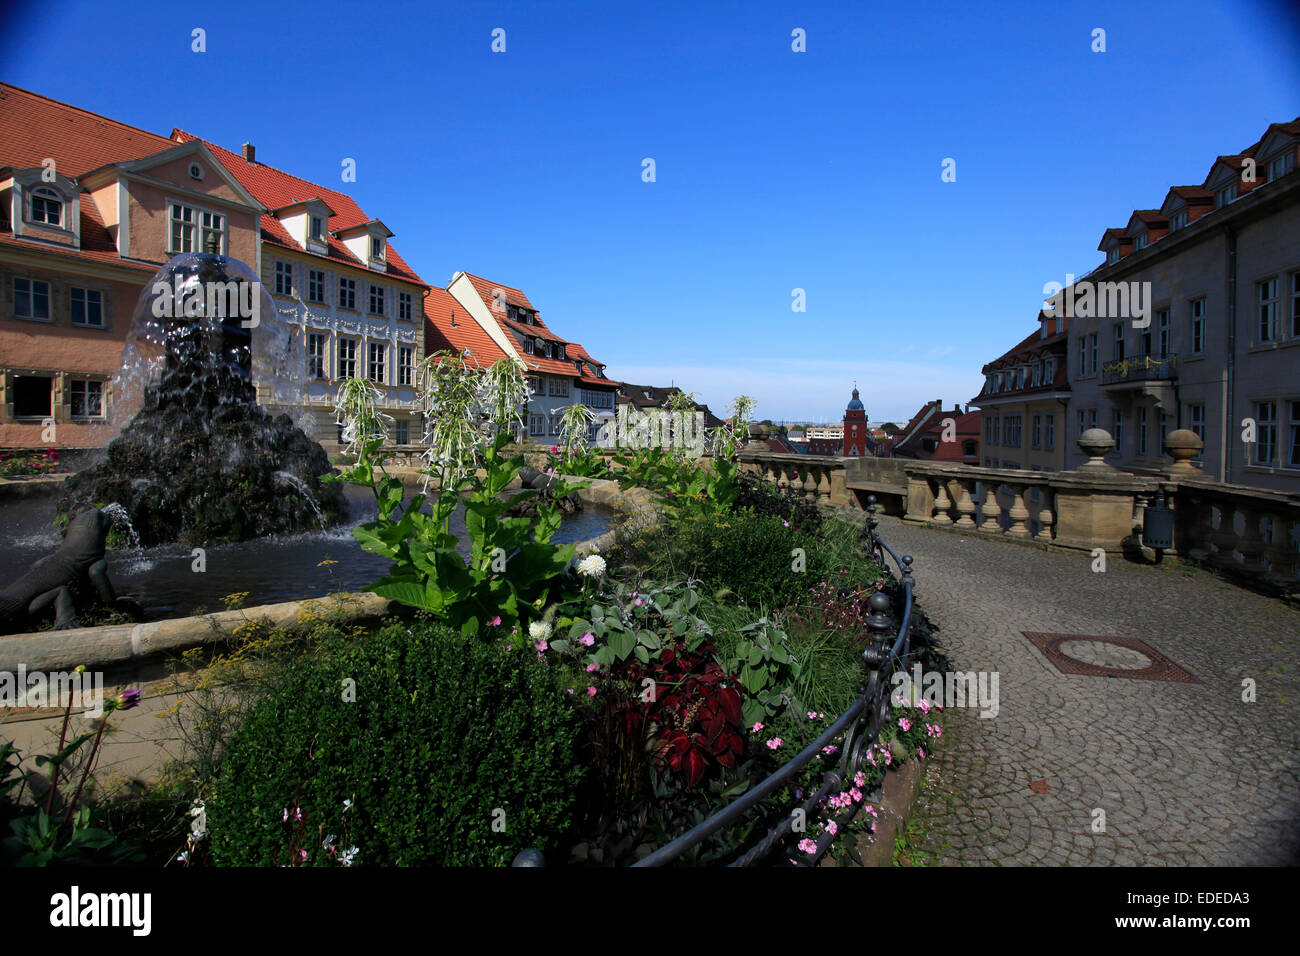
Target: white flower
[
  {"x": 347, "y": 856},
  {"x": 592, "y": 566},
  {"x": 199, "y": 825},
  {"x": 328, "y": 842},
  {"x": 539, "y": 630}
]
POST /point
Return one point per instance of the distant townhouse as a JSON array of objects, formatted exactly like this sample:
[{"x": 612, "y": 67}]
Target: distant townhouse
[
  {"x": 354, "y": 302},
  {"x": 89, "y": 209},
  {"x": 561, "y": 372},
  {"x": 1025, "y": 401},
  {"x": 1218, "y": 348},
  {"x": 643, "y": 398}
]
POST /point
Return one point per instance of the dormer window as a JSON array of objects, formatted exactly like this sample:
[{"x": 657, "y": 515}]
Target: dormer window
[
  {"x": 317, "y": 230},
  {"x": 1178, "y": 220},
  {"x": 528, "y": 346},
  {"x": 548, "y": 349},
  {"x": 559, "y": 351},
  {"x": 1112, "y": 256},
  {"x": 46, "y": 207},
  {"x": 376, "y": 247},
  {"x": 1141, "y": 241},
  {"x": 1281, "y": 166},
  {"x": 1226, "y": 196}
]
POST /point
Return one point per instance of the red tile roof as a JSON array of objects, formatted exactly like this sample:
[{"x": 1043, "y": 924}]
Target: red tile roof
[
  {"x": 34, "y": 127},
  {"x": 276, "y": 189},
  {"x": 440, "y": 308},
  {"x": 489, "y": 291}
]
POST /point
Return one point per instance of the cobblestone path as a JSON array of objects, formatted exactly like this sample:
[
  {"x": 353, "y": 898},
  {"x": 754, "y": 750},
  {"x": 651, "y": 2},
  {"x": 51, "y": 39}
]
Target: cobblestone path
[{"x": 1185, "y": 773}]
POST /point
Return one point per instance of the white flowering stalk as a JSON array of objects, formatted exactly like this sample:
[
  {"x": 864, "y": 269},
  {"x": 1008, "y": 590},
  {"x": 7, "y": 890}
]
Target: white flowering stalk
[
  {"x": 503, "y": 394},
  {"x": 356, "y": 408},
  {"x": 448, "y": 391},
  {"x": 575, "y": 423}
]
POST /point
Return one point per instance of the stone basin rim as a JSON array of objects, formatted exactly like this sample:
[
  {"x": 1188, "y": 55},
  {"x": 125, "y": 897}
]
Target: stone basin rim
[{"x": 108, "y": 647}]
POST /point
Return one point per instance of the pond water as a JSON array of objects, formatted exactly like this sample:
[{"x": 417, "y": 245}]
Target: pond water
[{"x": 271, "y": 570}]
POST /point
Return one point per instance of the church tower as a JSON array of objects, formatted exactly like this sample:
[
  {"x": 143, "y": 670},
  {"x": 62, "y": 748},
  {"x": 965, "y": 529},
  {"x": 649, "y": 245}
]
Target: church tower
[{"x": 855, "y": 427}]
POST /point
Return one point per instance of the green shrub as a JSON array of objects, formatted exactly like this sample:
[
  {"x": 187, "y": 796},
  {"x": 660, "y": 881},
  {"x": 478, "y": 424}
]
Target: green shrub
[
  {"x": 754, "y": 556},
  {"x": 445, "y": 733}
]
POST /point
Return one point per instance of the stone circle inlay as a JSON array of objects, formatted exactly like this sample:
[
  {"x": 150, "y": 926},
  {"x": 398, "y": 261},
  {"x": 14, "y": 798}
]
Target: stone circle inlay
[{"x": 1101, "y": 656}]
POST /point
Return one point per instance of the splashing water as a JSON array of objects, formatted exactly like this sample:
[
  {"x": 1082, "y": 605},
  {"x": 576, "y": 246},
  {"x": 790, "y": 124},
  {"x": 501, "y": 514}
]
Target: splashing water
[
  {"x": 301, "y": 487},
  {"x": 122, "y": 519}
]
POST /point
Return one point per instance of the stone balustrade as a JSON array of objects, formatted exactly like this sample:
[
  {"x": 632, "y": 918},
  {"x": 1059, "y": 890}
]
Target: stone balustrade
[{"x": 1244, "y": 531}]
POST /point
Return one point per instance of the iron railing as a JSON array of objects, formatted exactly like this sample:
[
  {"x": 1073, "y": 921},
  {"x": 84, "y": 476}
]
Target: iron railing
[
  {"x": 1140, "y": 368},
  {"x": 862, "y": 722}
]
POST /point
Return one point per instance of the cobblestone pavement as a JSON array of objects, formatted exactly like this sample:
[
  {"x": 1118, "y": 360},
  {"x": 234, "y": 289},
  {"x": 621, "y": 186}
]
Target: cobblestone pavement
[{"x": 1186, "y": 773}]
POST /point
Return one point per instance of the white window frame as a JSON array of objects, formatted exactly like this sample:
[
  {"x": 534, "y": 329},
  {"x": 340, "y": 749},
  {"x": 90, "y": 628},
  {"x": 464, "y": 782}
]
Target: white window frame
[
  {"x": 317, "y": 367},
  {"x": 1266, "y": 310},
  {"x": 85, "y": 305},
  {"x": 32, "y": 294},
  {"x": 48, "y": 197},
  {"x": 1198, "y": 326},
  {"x": 1265, "y": 433},
  {"x": 283, "y": 277},
  {"x": 347, "y": 288},
  {"x": 404, "y": 307},
  {"x": 377, "y": 362},
  {"x": 347, "y": 358},
  {"x": 405, "y": 364},
  {"x": 317, "y": 283}
]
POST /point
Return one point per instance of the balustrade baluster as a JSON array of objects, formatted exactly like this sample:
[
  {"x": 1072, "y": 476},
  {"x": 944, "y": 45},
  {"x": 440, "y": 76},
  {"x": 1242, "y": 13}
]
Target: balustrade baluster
[
  {"x": 965, "y": 505},
  {"x": 941, "y": 505},
  {"x": 990, "y": 510},
  {"x": 1019, "y": 514},
  {"x": 1045, "y": 517},
  {"x": 1251, "y": 543}
]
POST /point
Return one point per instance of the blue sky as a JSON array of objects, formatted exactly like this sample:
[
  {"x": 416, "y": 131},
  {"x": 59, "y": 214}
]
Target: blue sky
[{"x": 775, "y": 170}]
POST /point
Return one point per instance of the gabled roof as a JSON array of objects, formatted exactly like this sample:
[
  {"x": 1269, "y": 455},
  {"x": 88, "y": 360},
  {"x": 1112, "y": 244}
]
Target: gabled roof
[
  {"x": 1112, "y": 236},
  {"x": 497, "y": 297},
  {"x": 276, "y": 189},
  {"x": 1185, "y": 196},
  {"x": 1147, "y": 218},
  {"x": 440, "y": 310},
  {"x": 34, "y": 128}
]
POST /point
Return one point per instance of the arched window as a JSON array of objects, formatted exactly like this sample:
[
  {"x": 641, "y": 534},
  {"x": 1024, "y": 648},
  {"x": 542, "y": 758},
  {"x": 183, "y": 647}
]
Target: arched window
[{"x": 46, "y": 206}]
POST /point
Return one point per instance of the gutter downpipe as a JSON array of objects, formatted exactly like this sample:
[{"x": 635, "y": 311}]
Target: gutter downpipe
[{"x": 1230, "y": 411}]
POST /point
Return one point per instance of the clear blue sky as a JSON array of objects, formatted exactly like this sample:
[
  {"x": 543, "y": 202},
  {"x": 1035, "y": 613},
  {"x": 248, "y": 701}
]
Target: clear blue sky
[{"x": 776, "y": 170}]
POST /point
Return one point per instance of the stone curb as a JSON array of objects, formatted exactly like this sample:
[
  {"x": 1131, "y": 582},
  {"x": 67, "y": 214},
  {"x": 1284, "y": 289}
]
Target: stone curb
[{"x": 114, "y": 646}]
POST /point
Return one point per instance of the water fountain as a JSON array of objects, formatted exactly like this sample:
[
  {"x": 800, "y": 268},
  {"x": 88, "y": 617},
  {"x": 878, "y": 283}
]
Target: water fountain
[{"x": 202, "y": 462}]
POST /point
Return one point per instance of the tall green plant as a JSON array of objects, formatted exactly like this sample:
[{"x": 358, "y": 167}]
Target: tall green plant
[{"x": 513, "y": 569}]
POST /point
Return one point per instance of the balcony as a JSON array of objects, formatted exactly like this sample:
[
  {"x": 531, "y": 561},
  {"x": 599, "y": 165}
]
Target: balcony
[{"x": 1139, "y": 369}]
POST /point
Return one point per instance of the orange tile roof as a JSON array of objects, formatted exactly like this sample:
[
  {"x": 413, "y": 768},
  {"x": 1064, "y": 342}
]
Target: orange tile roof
[
  {"x": 276, "y": 189},
  {"x": 488, "y": 290},
  {"x": 34, "y": 127},
  {"x": 440, "y": 307}
]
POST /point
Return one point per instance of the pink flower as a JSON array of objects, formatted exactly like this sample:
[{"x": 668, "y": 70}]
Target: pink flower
[
  {"x": 555, "y": 449},
  {"x": 859, "y": 779},
  {"x": 756, "y": 728},
  {"x": 807, "y": 846},
  {"x": 922, "y": 749},
  {"x": 495, "y": 622},
  {"x": 591, "y": 692},
  {"x": 832, "y": 828},
  {"x": 587, "y": 639},
  {"x": 774, "y": 743},
  {"x": 923, "y": 705},
  {"x": 302, "y": 855},
  {"x": 570, "y": 690},
  {"x": 812, "y": 715},
  {"x": 785, "y": 524},
  {"x": 638, "y": 602},
  {"x": 904, "y": 723},
  {"x": 591, "y": 668},
  {"x": 541, "y": 645}
]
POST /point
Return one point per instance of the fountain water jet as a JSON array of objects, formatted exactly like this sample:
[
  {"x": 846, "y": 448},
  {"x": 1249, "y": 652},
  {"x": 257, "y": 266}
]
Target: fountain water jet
[{"x": 199, "y": 462}]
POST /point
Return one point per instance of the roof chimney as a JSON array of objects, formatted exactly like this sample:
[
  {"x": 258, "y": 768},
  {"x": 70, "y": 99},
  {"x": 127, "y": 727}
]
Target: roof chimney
[{"x": 250, "y": 152}]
